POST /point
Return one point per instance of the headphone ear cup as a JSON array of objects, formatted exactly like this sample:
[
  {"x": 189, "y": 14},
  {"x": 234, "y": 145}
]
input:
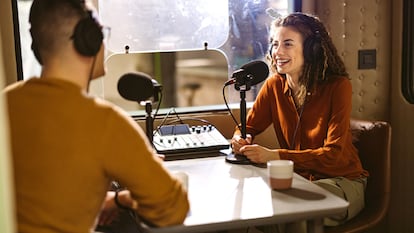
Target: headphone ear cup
[
  {"x": 88, "y": 37},
  {"x": 271, "y": 50},
  {"x": 312, "y": 48}
]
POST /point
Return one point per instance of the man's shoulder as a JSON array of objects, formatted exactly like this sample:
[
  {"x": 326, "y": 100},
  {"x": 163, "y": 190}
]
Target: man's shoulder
[
  {"x": 108, "y": 107},
  {"x": 14, "y": 86}
]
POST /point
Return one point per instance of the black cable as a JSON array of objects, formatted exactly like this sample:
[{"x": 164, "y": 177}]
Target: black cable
[
  {"x": 228, "y": 108},
  {"x": 164, "y": 119},
  {"x": 158, "y": 107},
  {"x": 181, "y": 120},
  {"x": 90, "y": 74}
]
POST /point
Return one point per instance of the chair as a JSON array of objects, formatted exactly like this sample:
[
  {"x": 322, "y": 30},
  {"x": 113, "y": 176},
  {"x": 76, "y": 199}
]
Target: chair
[{"x": 373, "y": 141}]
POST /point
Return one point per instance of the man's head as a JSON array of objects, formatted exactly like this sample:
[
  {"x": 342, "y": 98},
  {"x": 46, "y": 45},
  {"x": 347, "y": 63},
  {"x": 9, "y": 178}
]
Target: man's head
[{"x": 56, "y": 24}]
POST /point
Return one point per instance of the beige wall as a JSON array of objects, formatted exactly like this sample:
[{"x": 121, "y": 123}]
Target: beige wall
[
  {"x": 7, "y": 219},
  {"x": 377, "y": 24},
  {"x": 8, "y": 53},
  {"x": 362, "y": 25}
]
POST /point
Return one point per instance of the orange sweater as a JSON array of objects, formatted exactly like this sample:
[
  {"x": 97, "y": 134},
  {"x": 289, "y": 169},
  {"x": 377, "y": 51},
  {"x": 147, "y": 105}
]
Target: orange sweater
[
  {"x": 67, "y": 147},
  {"x": 322, "y": 146}
]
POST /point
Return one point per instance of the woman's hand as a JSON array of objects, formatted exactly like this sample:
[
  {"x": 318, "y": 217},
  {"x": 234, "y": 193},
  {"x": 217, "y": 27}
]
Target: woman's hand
[
  {"x": 237, "y": 142},
  {"x": 259, "y": 154}
]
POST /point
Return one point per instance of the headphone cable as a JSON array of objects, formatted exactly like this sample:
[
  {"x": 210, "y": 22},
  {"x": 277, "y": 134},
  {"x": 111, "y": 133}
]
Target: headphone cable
[{"x": 90, "y": 74}]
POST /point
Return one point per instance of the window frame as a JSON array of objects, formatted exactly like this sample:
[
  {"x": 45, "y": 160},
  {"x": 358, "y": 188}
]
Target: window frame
[{"x": 407, "y": 66}]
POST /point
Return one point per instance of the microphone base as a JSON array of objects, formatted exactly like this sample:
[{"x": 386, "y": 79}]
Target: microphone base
[{"x": 242, "y": 160}]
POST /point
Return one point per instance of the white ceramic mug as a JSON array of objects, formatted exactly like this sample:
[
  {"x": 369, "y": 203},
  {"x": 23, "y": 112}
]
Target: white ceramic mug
[{"x": 280, "y": 174}]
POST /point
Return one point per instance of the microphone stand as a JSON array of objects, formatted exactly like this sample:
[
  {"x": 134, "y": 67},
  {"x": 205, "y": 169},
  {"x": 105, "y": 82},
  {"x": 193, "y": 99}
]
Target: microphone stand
[
  {"x": 242, "y": 88},
  {"x": 243, "y": 113},
  {"x": 242, "y": 84}
]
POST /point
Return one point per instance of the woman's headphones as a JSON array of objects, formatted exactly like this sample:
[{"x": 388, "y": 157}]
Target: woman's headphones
[{"x": 312, "y": 48}]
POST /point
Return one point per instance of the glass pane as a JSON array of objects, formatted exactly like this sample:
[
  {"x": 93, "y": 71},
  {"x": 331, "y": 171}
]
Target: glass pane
[
  {"x": 201, "y": 82},
  {"x": 249, "y": 25},
  {"x": 189, "y": 78},
  {"x": 160, "y": 25},
  {"x": 29, "y": 64},
  {"x": 166, "y": 40}
]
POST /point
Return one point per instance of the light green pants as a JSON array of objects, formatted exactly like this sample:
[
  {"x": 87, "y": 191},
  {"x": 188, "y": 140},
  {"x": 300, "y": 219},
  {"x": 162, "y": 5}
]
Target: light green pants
[{"x": 352, "y": 191}]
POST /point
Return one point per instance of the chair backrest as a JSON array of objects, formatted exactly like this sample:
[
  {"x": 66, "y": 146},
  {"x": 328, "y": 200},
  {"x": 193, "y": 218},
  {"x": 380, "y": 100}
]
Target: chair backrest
[{"x": 373, "y": 141}]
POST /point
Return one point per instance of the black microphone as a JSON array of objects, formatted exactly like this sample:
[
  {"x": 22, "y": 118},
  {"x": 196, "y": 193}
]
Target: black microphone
[
  {"x": 251, "y": 73},
  {"x": 137, "y": 86}
]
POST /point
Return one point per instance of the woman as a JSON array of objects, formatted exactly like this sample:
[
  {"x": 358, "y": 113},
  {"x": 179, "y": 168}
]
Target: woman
[{"x": 308, "y": 101}]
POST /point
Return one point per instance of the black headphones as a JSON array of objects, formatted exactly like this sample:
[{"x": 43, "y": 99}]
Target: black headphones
[
  {"x": 87, "y": 35},
  {"x": 312, "y": 48}
]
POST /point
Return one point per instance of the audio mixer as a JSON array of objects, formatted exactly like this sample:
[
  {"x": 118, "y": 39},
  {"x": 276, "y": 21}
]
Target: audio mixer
[{"x": 182, "y": 138}]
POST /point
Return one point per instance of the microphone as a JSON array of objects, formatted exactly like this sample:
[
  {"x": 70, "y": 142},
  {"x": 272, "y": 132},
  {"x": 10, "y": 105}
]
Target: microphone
[
  {"x": 251, "y": 73},
  {"x": 138, "y": 87}
]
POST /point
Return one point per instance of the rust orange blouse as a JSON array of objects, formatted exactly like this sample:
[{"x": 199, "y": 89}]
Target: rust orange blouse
[{"x": 322, "y": 145}]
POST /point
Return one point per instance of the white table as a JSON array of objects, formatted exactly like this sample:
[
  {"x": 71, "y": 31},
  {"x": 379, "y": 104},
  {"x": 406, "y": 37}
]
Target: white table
[{"x": 228, "y": 196}]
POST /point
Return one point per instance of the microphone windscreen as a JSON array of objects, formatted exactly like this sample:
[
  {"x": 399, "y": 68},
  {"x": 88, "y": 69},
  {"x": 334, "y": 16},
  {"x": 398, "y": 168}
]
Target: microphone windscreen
[
  {"x": 258, "y": 69},
  {"x": 136, "y": 86}
]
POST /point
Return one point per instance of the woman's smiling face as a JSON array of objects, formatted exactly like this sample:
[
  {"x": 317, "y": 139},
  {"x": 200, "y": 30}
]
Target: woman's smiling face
[{"x": 287, "y": 51}]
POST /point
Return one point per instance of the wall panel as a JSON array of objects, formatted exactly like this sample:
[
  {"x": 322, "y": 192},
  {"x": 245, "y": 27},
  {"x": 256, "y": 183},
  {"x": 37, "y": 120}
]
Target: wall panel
[{"x": 362, "y": 25}]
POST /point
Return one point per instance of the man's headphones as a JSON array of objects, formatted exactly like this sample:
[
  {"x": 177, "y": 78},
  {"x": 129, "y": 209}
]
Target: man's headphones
[{"x": 87, "y": 35}]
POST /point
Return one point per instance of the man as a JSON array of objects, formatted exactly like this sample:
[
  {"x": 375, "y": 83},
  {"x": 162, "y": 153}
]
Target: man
[{"x": 68, "y": 146}]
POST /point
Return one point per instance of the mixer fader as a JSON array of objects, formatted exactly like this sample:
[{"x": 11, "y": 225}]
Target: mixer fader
[{"x": 182, "y": 138}]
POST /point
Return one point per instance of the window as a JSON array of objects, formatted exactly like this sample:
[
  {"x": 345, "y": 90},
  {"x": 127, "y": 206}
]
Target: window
[{"x": 190, "y": 47}]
